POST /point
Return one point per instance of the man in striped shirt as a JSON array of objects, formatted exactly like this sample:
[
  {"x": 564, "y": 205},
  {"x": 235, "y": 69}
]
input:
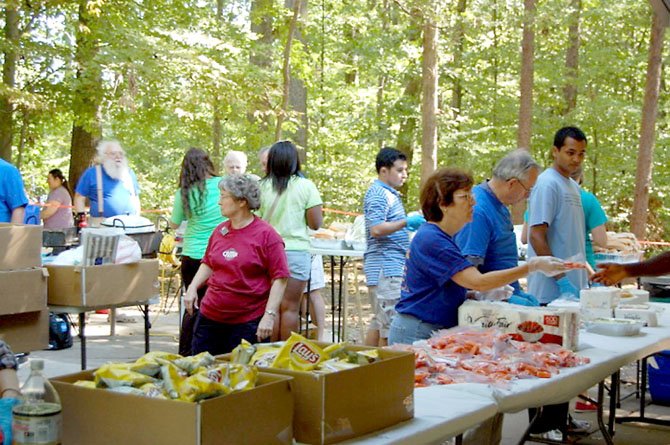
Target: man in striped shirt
[{"x": 386, "y": 230}]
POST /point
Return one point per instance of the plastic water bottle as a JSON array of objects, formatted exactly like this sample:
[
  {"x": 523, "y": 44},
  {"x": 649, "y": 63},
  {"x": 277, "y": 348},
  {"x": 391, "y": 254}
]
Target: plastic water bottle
[{"x": 37, "y": 419}]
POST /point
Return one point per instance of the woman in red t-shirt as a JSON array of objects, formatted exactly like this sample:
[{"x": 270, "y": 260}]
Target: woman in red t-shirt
[{"x": 245, "y": 270}]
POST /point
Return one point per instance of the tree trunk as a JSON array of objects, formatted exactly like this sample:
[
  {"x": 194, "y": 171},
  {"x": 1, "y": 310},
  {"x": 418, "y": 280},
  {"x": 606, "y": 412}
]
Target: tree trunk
[
  {"x": 297, "y": 90},
  {"x": 23, "y": 135},
  {"x": 8, "y": 79},
  {"x": 526, "y": 84},
  {"x": 647, "y": 128},
  {"x": 572, "y": 59},
  {"x": 261, "y": 56},
  {"x": 286, "y": 70},
  {"x": 217, "y": 155},
  {"x": 408, "y": 123},
  {"x": 526, "y": 93},
  {"x": 86, "y": 128},
  {"x": 429, "y": 103},
  {"x": 457, "y": 42}
]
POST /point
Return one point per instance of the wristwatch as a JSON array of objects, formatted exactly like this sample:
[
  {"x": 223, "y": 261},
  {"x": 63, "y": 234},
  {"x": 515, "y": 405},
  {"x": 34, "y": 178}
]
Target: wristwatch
[{"x": 272, "y": 313}]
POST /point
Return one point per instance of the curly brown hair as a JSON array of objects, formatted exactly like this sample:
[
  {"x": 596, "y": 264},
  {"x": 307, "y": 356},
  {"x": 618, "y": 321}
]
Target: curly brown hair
[
  {"x": 439, "y": 189},
  {"x": 195, "y": 169}
]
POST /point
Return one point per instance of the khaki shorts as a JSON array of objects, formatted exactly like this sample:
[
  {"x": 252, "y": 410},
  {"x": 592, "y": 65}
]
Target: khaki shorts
[{"x": 383, "y": 298}]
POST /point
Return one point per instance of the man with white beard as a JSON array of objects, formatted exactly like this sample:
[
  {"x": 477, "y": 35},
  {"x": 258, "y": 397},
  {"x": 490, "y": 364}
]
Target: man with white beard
[{"x": 110, "y": 186}]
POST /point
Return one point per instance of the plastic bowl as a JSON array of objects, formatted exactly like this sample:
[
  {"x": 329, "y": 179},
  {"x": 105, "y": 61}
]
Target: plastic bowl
[{"x": 531, "y": 337}]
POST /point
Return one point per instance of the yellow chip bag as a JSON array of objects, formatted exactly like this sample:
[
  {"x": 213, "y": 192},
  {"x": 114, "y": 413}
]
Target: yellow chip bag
[
  {"x": 150, "y": 363},
  {"x": 85, "y": 383},
  {"x": 243, "y": 353},
  {"x": 242, "y": 377},
  {"x": 172, "y": 379},
  {"x": 211, "y": 382},
  {"x": 265, "y": 354},
  {"x": 112, "y": 375},
  {"x": 190, "y": 364},
  {"x": 153, "y": 391},
  {"x": 299, "y": 354}
]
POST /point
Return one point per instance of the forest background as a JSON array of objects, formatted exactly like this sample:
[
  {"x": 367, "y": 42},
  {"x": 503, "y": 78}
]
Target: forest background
[{"x": 342, "y": 78}]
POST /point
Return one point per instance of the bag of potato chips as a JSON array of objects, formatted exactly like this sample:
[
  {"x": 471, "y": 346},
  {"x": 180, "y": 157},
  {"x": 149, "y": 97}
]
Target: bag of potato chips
[{"x": 299, "y": 354}]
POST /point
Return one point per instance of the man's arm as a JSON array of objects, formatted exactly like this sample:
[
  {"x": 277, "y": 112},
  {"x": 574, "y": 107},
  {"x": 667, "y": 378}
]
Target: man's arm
[
  {"x": 79, "y": 203},
  {"x": 18, "y": 214},
  {"x": 538, "y": 239},
  {"x": 387, "y": 228}
]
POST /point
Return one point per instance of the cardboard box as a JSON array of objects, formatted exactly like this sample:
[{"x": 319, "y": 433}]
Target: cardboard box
[
  {"x": 543, "y": 324},
  {"x": 262, "y": 415},
  {"x": 20, "y": 246},
  {"x": 337, "y": 406},
  {"x": 25, "y": 332},
  {"x": 23, "y": 291},
  {"x": 102, "y": 286}
]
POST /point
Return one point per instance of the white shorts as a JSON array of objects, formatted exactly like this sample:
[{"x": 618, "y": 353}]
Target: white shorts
[{"x": 317, "y": 278}]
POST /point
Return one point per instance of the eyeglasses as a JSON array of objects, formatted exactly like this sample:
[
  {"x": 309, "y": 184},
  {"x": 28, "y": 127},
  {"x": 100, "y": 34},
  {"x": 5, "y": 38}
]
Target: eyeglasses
[
  {"x": 528, "y": 190},
  {"x": 468, "y": 196}
]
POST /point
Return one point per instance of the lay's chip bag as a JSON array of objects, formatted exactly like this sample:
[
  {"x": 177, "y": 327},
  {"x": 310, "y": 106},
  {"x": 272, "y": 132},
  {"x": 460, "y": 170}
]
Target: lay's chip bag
[{"x": 299, "y": 354}]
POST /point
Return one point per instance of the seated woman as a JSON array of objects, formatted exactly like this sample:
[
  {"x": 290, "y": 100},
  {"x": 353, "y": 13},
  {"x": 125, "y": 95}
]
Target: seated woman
[
  {"x": 437, "y": 275},
  {"x": 245, "y": 269}
]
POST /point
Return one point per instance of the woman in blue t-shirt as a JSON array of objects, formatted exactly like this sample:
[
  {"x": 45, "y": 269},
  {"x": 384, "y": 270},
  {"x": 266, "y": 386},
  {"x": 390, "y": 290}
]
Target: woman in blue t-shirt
[{"x": 437, "y": 274}]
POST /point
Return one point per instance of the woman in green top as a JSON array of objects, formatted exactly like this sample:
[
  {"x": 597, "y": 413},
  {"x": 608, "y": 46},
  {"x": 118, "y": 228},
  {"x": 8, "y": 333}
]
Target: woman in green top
[
  {"x": 290, "y": 203},
  {"x": 197, "y": 202}
]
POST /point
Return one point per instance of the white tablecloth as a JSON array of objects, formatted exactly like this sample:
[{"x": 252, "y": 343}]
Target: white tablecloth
[{"x": 439, "y": 412}]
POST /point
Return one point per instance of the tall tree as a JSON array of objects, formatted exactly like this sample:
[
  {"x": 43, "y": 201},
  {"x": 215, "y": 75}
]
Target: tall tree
[
  {"x": 572, "y": 58},
  {"x": 429, "y": 70},
  {"x": 286, "y": 70},
  {"x": 10, "y": 53},
  {"x": 458, "y": 38},
  {"x": 88, "y": 91},
  {"x": 648, "y": 127},
  {"x": 297, "y": 89},
  {"x": 527, "y": 72}
]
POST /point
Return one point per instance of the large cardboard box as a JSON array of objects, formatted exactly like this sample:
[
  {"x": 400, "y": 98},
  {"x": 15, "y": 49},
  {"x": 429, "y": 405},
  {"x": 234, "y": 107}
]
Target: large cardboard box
[
  {"x": 23, "y": 291},
  {"x": 334, "y": 407},
  {"x": 105, "y": 285},
  {"x": 20, "y": 246},
  {"x": 25, "y": 332},
  {"x": 262, "y": 415}
]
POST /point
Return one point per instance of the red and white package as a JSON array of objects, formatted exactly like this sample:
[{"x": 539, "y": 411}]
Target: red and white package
[{"x": 531, "y": 324}]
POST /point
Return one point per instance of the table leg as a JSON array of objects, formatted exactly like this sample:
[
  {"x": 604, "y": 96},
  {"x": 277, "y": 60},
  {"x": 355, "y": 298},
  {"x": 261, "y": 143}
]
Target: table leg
[
  {"x": 332, "y": 294},
  {"x": 112, "y": 322},
  {"x": 614, "y": 401},
  {"x": 345, "y": 303},
  {"x": 339, "y": 302},
  {"x": 82, "y": 339},
  {"x": 147, "y": 325},
  {"x": 458, "y": 440},
  {"x": 526, "y": 434},
  {"x": 599, "y": 415}
]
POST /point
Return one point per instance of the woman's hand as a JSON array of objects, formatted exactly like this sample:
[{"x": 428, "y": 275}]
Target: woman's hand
[
  {"x": 191, "y": 299},
  {"x": 265, "y": 326}
]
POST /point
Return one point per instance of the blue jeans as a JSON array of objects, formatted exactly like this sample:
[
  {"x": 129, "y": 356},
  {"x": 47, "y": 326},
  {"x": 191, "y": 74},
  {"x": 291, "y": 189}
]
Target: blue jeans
[
  {"x": 407, "y": 329},
  {"x": 221, "y": 338}
]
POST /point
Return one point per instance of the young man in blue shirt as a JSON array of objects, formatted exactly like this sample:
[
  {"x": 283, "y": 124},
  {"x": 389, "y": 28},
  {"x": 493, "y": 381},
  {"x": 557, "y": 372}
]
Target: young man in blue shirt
[
  {"x": 489, "y": 241},
  {"x": 386, "y": 229}
]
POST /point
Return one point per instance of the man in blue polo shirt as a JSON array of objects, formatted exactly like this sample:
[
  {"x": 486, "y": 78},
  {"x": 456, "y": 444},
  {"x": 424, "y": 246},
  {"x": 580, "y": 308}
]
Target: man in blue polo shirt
[
  {"x": 488, "y": 241},
  {"x": 13, "y": 200},
  {"x": 386, "y": 230}
]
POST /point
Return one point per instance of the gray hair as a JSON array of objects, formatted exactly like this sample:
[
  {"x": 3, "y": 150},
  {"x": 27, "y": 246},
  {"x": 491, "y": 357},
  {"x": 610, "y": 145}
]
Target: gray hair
[
  {"x": 243, "y": 187},
  {"x": 515, "y": 164},
  {"x": 104, "y": 145},
  {"x": 263, "y": 150},
  {"x": 234, "y": 154}
]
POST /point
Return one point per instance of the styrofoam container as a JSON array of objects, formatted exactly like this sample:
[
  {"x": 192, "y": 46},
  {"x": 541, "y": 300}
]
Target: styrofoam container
[
  {"x": 634, "y": 296},
  {"x": 615, "y": 327},
  {"x": 599, "y": 297},
  {"x": 639, "y": 312}
]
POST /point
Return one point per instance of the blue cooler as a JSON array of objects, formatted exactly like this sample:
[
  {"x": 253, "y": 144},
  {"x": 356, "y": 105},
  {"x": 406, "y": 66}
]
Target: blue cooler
[{"x": 659, "y": 379}]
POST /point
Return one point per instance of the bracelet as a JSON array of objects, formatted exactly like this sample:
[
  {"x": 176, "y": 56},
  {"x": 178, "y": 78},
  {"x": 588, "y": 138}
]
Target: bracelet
[
  {"x": 2, "y": 394},
  {"x": 271, "y": 313}
]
